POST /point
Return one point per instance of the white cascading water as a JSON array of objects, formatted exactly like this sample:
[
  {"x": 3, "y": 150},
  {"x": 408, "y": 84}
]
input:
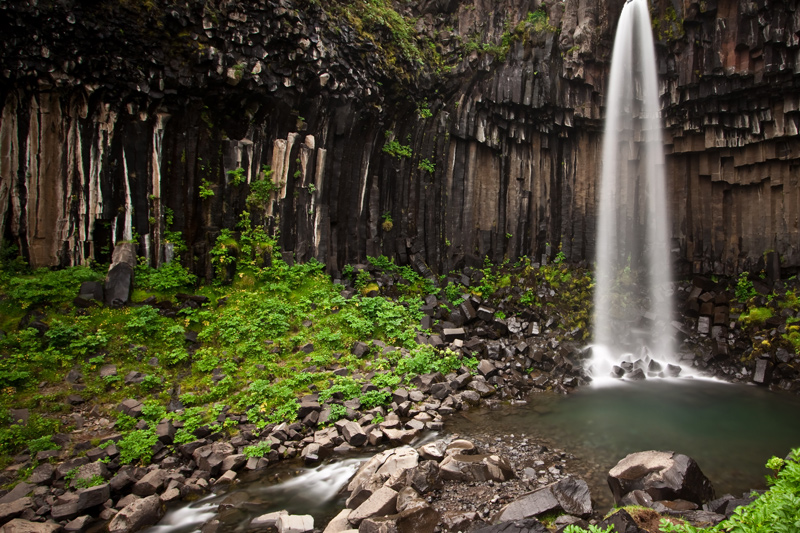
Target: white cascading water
[{"x": 632, "y": 300}]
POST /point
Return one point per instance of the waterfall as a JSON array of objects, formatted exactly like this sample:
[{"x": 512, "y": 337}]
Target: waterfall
[{"x": 632, "y": 300}]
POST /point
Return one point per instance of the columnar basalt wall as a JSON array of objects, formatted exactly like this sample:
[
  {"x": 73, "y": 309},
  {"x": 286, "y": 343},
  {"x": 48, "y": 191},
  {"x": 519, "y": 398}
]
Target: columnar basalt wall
[{"x": 113, "y": 113}]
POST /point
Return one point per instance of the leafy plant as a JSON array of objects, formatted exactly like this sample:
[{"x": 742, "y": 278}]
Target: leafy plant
[
  {"x": 258, "y": 450},
  {"x": 261, "y": 189},
  {"x": 744, "y": 288},
  {"x": 427, "y": 166},
  {"x": 137, "y": 446},
  {"x": 237, "y": 176},
  {"x": 394, "y": 148},
  {"x": 204, "y": 189}
]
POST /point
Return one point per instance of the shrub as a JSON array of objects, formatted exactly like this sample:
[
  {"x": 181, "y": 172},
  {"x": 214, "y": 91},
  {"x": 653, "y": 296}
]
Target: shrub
[
  {"x": 744, "y": 288},
  {"x": 137, "y": 446},
  {"x": 17, "y": 436},
  {"x": 258, "y": 450},
  {"x": 168, "y": 277}
]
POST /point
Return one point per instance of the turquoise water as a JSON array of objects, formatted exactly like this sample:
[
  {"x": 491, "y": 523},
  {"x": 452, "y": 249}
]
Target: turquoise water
[{"x": 730, "y": 430}]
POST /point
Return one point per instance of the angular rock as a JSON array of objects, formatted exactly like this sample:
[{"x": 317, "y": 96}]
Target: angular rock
[
  {"x": 354, "y": 434},
  {"x": 14, "y": 509},
  {"x": 24, "y": 526},
  {"x": 662, "y": 475},
  {"x": 137, "y": 515},
  {"x": 530, "y": 525},
  {"x": 381, "y": 503},
  {"x": 150, "y": 483},
  {"x": 476, "y": 468}
]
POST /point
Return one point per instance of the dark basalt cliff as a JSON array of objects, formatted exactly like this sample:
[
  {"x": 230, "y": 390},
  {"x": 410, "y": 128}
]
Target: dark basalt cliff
[{"x": 114, "y": 111}]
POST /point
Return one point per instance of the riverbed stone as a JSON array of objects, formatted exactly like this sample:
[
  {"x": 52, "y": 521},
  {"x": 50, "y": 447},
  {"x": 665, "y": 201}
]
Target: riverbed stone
[{"x": 663, "y": 475}]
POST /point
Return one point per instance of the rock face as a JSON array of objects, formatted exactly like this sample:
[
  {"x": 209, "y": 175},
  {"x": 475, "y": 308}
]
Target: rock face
[
  {"x": 123, "y": 102},
  {"x": 662, "y": 475}
]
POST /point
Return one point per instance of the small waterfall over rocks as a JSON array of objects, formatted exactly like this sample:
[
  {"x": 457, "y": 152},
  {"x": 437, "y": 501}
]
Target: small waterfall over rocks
[{"x": 632, "y": 301}]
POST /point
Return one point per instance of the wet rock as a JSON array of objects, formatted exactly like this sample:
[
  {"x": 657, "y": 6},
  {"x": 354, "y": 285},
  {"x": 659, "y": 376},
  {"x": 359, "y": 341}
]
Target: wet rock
[{"x": 662, "y": 475}]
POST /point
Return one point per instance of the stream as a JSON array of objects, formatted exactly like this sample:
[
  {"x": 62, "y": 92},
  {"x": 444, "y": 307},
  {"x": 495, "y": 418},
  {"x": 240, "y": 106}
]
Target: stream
[{"x": 730, "y": 430}]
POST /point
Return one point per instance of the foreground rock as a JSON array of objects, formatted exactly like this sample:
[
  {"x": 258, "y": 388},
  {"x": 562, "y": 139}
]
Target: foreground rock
[
  {"x": 662, "y": 476},
  {"x": 570, "y": 496}
]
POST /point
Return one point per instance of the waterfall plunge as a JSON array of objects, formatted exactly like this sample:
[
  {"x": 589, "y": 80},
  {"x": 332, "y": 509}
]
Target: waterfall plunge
[{"x": 632, "y": 301}]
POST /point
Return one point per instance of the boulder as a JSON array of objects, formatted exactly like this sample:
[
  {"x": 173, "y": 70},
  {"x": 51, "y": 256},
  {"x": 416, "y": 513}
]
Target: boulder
[
  {"x": 662, "y": 475},
  {"x": 81, "y": 501},
  {"x": 353, "y": 433},
  {"x": 136, "y": 515}
]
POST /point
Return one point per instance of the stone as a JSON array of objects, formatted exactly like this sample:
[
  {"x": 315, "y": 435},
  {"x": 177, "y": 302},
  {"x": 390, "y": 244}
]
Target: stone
[
  {"x": 353, "y": 433},
  {"x": 131, "y": 407},
  {"x": 137, "y": 515},
  {"x": 165, "y": 431},
  {"x": 530, "y": 525},
  {"x": 289, "y": 523},
  {"x": 42, "y": 474},
  {"x": 360, "y": 349},
  {"x": 424, "y": 477},
  {"x": 763, "y": 372},
  {"x": 662, "y": 475},
  {"x": 78, "y": 524},
  {"x": 84, "y": 499},
  {"x": 381, "y": 503},
  {"x": 14, "y": 509},
  {"x": 150, "y": 483},
  {"x": 451, "y": 334},
  {"x": 24, "y": 526},
  {"x": 89, "y": 471},
  {"x": 433, "y": 450},
  {"x": 458, "y": 520},
  {"x": 622, "y": 522},
  {"x": 119, "y": 279},
  {"x": 479, "y": 467},
  {"x": 573, "y": 496},
  {"x": 339, "y": 523}
]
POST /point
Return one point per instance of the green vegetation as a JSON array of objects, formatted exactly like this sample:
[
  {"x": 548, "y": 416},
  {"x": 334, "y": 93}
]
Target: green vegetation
[
  {"x": 204, "y": 190},
  {"x": 744, "y": 288},
  {"x": 533, "y": 26},
  {"x": 261, "y": 189},
  {"x": 777, "y": 510},
  {"x": 403, "y": 50},
  {"x": 427, "y": 166},
  {"x": 394, "y": 148},
  {"x": 237, "y": 176}
]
